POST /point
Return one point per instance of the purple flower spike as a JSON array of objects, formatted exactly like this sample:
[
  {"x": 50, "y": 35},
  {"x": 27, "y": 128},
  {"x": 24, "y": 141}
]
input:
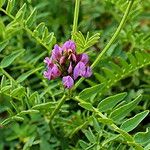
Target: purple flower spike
[
  {"x": 84, "y": 58},
  {"x": 88, "y": 72},
  {"x": 64, "y": 62},
  {"x": 79, "y": 70},
  {"x": 69, "y": 46},
  {"x": 68, "y": 82},
  {"x": 56, "y": 53}
]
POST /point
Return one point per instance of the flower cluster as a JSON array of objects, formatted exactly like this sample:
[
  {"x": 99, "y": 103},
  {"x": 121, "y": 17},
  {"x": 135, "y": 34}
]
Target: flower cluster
[{"x": 66, "y": 63}]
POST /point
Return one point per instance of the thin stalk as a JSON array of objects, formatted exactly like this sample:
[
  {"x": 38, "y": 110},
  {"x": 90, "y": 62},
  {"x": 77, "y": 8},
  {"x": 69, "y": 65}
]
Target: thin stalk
[
  {"x": 112, "y": 40},
  {"x": 115, "y": 34},
  {"x": 56, "y": 110},
  {"x": 76, "y": 15},
  {"x": 74, "y": 30}
]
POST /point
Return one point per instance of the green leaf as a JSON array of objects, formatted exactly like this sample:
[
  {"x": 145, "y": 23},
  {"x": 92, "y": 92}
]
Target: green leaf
[
  {"x": 83, "y": 144},
  {"x": 13, "y": 118},
  {"x": 110, "y": 102},
  {"x": 84, "y": 43},
  {"x": 136, "y": 146},
  {"x": 90, "y": 136},
  {"x": 147, "y": 147},
  {"x": 10, "y": 5},
  {"x": 29, "y": 143},
  {"x": 6, "y": 88},
  {"x": 21, "y": 13},
  {"x": 105, "y": 121},
  {"x": 3, "y": 45},
  {"x": 28, "y": 112},
  {"x": 142, "y": 137},
  {"x": 122, "y": 111},
  {"x": 10, "y": 58},
  {"x": 18, "y": 91},
  {"x": 88, "y": 92},
  {"x": 87, "y": 106},
  {"x": 27, "y": 74},
  {"x": 30, "y": 20},
  {"x": 42, "y": 106},
  {"x": 132, "y": 123},
  {"x": 2, "y": 3},
  {"x": 39, "y": 30}
]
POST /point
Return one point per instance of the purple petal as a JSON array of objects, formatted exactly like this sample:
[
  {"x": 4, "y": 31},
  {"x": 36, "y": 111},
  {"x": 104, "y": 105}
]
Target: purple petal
[
  {"x": 47, "y": 74},
  {"x": 62, "y": 60},
  {"x": 48, "y": 61},
  {"x": 70, "y": 68},
  {"x": 84, "y": 58},
  {"x": 55, "y": 72},
  {"x": 88, "y": 72},
  {"x": 69, "y": 45},
  {"x": 79, "y": 70},
  {"x": 52, "y": 73},
  {"x": 56, "y": 52},
  {"x": 68, "y": 82},
  {"x": 74, "y": 57}
]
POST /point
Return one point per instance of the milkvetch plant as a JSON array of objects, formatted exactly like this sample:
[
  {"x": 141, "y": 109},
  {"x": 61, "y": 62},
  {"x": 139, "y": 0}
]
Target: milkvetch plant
[{"x": 102, "y": 61}]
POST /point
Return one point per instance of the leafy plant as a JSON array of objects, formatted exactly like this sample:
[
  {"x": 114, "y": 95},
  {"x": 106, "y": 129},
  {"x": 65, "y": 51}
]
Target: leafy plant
[{"x": 109, "y": 110}]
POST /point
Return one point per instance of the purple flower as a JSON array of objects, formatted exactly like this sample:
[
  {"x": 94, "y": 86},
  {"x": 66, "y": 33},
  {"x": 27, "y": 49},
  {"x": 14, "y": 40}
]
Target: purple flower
[
  {"x": 69, "y": 46},
  {"x": 68, "y": 82},
  {"x": 48, "y": 61},
  {"x": 65, "y": 62},
  {"x": 84, "y": 58},
  {"x": 88, "y": 72},
  {"x": 56, "y": 53},
  {"x": 52, "y": 73},
  {"x": 79, "y": 70}
]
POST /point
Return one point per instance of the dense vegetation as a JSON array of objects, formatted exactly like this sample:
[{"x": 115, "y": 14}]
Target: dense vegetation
[{"x": 109, "y": 110}]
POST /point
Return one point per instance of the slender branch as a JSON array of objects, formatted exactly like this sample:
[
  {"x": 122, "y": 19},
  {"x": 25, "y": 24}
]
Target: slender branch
[
  {"x": 112, "y": 40},
  {"x": 56, "y": 110},
  {"x": 76, "y": 15},
  {"x": 74, "y": 30}
]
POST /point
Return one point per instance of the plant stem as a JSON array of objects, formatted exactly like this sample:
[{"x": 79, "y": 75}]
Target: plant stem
[
  {"x": 74, "y": 30},
  {"x": 112, "y": 40},
  {"x": 115, "y": 34},
  {"x": 56, "y": 110},
  {"x": 76, "y": 15}
]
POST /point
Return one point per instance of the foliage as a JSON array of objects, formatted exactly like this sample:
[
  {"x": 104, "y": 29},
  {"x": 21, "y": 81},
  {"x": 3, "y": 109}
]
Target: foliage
[{"x": 108, "y": 111}]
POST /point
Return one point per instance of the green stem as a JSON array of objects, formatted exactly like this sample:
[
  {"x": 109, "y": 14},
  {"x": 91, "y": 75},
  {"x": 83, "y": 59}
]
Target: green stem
[
  {"x": 112, "y": 40},
  {"x": 74, "y": 30},
  {"x": 76, "y": 14},
  {"x": 115, "y": 34},
  {"x": 56, "y": 110}
]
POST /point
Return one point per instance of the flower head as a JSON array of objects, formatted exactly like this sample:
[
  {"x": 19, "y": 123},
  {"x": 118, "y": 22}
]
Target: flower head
[{"x": 67, "y": 64}]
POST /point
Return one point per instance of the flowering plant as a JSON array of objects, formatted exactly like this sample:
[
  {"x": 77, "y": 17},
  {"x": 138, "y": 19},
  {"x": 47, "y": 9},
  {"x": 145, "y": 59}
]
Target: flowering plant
[
  {"x": 106, "y": 111},
  {"x": 66, "y": 63}
]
